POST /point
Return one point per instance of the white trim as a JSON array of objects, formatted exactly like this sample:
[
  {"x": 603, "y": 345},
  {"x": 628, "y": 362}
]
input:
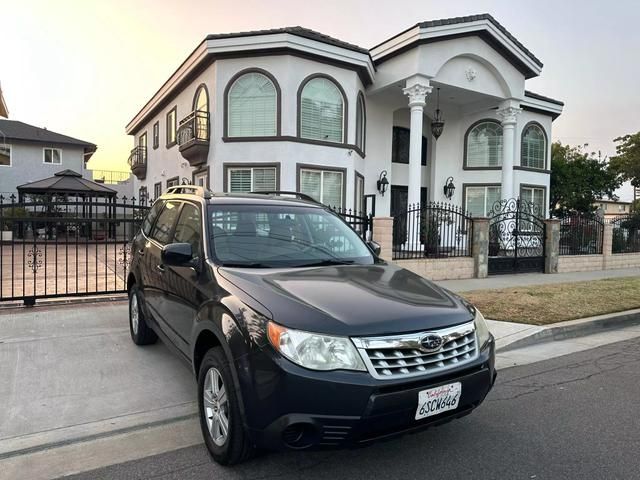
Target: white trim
[
  {"x": 10, "y": 154},
  {"x": 44, "y": 149},
  {"x": 552, "y": 108},
  {"x": 218, "y": 46},
  {"x": 415, "y": 34}
]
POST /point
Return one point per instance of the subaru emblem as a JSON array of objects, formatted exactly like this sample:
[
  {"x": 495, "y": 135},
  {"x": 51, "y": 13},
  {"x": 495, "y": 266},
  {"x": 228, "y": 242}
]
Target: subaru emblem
[{"x": 431, "y": 342}]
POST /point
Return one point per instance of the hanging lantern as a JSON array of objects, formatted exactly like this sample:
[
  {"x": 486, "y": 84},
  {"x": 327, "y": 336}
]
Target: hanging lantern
[{"x": 437, "y": 125}]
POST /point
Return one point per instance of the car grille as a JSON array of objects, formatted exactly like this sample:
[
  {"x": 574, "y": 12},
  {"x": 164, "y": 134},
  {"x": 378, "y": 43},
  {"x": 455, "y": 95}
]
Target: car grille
[{"x": 402, "y": 356}]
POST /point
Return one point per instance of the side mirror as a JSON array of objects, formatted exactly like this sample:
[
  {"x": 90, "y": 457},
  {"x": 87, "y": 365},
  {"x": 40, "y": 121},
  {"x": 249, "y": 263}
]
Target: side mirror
[
  {"x": 375, "y": 246},
  {"x": 177, "y": 255}
]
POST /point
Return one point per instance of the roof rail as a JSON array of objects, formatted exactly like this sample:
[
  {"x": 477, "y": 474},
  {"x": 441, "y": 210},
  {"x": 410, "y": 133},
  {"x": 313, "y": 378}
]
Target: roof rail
[
  {"x": 190, "y": 189},
  {"x": 301, "y": 196}
]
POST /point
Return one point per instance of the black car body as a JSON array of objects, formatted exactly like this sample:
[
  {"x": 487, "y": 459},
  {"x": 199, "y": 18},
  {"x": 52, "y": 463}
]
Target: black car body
[{"x": 410, "y": 335}]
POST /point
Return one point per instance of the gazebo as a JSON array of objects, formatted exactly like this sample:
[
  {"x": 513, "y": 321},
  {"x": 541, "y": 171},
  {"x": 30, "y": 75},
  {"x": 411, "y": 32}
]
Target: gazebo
[{"x": 69, "y": 189}]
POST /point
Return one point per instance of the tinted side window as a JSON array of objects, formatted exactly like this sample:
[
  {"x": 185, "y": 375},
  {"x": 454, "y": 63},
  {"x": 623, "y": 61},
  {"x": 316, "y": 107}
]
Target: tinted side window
[
  {"x": 189, "y": 228},
  {"x": 151, "y": 217},
  {"x": 163, "y": 226}
]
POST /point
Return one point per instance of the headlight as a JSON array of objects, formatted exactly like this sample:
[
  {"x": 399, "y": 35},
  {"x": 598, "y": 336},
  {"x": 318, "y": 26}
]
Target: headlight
[
  {"x": 315, "y": 351},
  {"x": 482, "y": 329}
]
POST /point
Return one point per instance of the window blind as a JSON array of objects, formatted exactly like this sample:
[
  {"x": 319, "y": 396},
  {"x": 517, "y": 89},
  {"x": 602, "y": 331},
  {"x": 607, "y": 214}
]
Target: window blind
[
  {"x": 240, "y": 180},
  {"x": 322, "y": 185},
  {"x": 252, "y": 106},
  {"x": 533, "y": 148},
  {"x": 480, "y": 200},
  {"x": 264, "y": 179},
  {"x": 321, "y": 111},
  {"x": 484, "y": 145}
]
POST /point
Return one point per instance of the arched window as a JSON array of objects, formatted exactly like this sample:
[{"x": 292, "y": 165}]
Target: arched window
[
  {"x": 322, "y": 110},
  {"x": 252, "y": 106},
  {"x": 361, "y": 122},
  {"x": 483, "y": 145},
  {"x": 533, "y": 151},
  {"x": 201, "y": 111}
]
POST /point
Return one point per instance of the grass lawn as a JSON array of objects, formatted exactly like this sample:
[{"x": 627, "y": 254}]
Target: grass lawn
[{"x": 545, "y": 304}]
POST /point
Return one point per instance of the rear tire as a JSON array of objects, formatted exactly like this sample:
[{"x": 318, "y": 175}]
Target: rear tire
[
  {"x": 141, "y": 333},
  {"x": 220, "y": 418}
]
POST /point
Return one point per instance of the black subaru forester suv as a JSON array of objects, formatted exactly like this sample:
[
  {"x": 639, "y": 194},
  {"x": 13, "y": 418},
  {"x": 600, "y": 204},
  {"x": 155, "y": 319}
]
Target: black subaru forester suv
[{"x": 299, "y": 335}]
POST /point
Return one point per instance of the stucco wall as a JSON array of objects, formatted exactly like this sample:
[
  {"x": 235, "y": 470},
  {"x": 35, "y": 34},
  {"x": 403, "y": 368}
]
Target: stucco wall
[
  {"x": 27, "y": 164},
  {"x": 440, "y": 268}
]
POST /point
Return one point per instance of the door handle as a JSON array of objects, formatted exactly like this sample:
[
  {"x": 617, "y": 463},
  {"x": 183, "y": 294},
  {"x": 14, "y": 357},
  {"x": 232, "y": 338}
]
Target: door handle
[{"x": 160, "y": 268}]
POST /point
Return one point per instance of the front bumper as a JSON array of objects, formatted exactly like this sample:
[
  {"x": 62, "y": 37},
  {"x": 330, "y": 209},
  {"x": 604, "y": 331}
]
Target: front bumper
[{"x": 287, "y": 406}]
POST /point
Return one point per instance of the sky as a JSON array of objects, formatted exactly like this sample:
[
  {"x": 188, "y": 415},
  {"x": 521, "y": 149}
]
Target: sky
[{"x": 85, "y": 67}]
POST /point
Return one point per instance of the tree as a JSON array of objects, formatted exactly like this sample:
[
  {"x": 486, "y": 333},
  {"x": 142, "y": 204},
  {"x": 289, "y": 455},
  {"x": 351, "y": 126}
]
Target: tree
[
  {"x": 627, "y": 160},
  {"x": 578, "y": 179}
]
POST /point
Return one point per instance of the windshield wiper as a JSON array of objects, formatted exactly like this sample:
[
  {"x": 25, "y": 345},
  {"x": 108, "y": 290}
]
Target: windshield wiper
[
  {"x": 245, "y": 265},
  {"x": 327, "y": 263}
]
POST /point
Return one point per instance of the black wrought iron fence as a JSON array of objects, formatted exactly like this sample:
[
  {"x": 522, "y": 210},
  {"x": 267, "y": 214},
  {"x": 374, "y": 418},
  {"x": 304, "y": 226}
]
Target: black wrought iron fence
[
  {"x": 432, "y": 230},
  {"x": 57, "y": 246},
  {"x": 626, "y": 233},
  {"x": 581, "y": 234},
  {"x": 358, "y": 221}
]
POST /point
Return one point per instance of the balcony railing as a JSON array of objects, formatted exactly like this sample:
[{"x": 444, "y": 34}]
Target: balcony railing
[
  {"x": 138, "y": 162},
  {"x": 193, "y": 137},
  {"x": 110, "y": 177}
]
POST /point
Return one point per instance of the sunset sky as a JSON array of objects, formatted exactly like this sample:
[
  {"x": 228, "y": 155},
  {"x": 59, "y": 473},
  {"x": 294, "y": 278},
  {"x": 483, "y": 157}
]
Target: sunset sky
[{"x": 85, "y": 67}]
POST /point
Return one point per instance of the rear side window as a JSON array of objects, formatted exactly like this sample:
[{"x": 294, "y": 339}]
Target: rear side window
[
  {"x": 189, "y": 228},
  {"x": 151, "y": 217},
  {"x": 162, "y": 229}
]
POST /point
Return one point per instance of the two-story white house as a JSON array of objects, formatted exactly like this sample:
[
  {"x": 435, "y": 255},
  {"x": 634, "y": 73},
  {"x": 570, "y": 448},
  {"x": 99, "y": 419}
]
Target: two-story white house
[{"x": 443, "y": 102}]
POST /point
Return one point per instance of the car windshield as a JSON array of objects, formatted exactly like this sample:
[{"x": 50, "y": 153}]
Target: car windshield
[{"x": 272, "y": 236}]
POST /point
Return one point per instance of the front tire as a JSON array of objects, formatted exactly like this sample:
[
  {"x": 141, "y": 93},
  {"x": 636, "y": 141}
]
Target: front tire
[
  {"x": 222, "y": 427},
  {"x": 141, "y": 333}
]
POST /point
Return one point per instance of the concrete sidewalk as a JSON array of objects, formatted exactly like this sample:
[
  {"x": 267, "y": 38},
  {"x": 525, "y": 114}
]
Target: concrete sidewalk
[
  {"x": 521, "y": 280},
  {"x": 72, "y": 372}
]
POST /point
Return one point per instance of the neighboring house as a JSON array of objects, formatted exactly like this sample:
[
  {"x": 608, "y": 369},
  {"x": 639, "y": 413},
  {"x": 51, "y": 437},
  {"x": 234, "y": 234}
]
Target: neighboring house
[
  {"x": 29, "y": 153},
  {"x": 613, "y": 208},
  {"x": 4, "y": 111},
  {"x": 293, "y": 109}
]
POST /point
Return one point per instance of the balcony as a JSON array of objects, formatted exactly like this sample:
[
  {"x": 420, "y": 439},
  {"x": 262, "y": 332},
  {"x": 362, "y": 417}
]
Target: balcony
[
  {"x": 193, "y": 137},
  {"x": 138, "y": 162}
]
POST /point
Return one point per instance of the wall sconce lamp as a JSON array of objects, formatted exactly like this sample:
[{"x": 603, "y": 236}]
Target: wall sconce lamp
[
  {"x": 449, "y": 188},
  {"x": 382, "y": 182}
]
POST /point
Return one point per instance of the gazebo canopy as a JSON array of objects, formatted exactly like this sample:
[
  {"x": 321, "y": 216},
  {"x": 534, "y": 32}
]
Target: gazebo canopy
[{"x": 66, "y": 182}]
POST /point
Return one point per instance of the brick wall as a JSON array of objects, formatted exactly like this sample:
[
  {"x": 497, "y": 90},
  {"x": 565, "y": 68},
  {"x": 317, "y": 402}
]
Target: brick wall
[
  {"x": 623, "y": 260},
  {"x": 580, "y": 263},
  {"x": 440, "y": 268}
]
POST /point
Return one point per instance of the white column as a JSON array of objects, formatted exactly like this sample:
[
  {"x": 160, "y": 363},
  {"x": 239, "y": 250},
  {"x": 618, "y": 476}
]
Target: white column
[
  {"x": 509, "y": 116},
  {"x": 417, "y": 91}
]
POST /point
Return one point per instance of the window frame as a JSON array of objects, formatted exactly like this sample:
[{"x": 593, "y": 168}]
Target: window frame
[
  {"x": 10, "y": 146},
  {"x": 546, "y": 147},
  {"x": 44, "y": 156},
  {"x": 394, "y": 154},
  {"x": 173, "y": 226},
  {"x": 466, "y": 186},
  {"x": 228, "y": 167},
  {"x": 196, "y": 173},
  {"x": 157, "y": 192},
  {"x": 358, "y": 176},
  {"x": 465, "y": 165},
  {"x": 531, "y": 186},
  {"x": 225, "y": 113},
  {"x": 345, "y": 111},
  {"x": 201, "y": 253},
  {"x": 156, "y": 135},
  {"x": 156, "y": 205},
  {"x": 171, "y": 180},
  {"x": 321, "y": 168},
  {"x": 361, "y": 122},
  {"x": 170, "y": 143}
]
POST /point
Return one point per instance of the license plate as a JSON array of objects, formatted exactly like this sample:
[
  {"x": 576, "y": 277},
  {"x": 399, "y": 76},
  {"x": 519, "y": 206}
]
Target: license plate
[{"x": 437, "y": 400}]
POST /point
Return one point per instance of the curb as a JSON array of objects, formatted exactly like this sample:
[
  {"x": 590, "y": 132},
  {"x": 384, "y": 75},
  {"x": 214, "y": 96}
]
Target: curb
[{"x": 577, "y": 328}]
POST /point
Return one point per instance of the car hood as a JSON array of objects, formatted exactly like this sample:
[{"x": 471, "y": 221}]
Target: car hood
[{"x": 350, "y": 300}]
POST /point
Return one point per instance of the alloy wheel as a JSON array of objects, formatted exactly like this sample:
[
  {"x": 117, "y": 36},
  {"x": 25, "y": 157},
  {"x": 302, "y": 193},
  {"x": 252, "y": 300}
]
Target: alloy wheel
[
  {"x": 216, "y": 406},
  {"x": 135, "y": 313}
]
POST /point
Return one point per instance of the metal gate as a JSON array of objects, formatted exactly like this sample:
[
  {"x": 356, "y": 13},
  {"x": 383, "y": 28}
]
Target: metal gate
[
  {"x": 54, "y": 246},
  {"x": 516, "y": 237}
]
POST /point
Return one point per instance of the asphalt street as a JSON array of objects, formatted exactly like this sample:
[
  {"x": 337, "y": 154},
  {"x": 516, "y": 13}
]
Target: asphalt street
[{"x": 571, "y": 417}]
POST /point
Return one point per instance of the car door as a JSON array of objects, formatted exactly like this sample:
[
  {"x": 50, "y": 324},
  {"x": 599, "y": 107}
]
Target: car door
[
  {"x": 156, "y": 286},
  {"x": 184, "y": 293}
]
